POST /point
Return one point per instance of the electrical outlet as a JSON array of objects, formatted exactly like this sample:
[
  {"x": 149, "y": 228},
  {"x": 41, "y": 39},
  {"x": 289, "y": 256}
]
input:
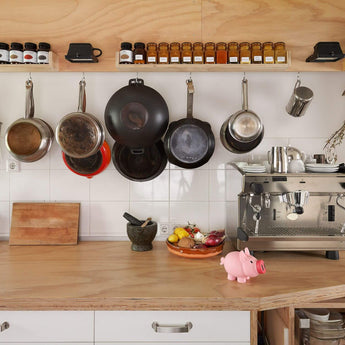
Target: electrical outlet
[
  {"x": 164, "y": 228},
  {"x": 12, "y": 165}
]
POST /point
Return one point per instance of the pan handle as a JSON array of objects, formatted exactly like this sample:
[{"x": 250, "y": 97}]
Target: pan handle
[
  {"x": 29, "y": 99},
  {"x": 82, "y": 97},
  {"x": 244, "y": 94},
  {"x": 190, "y": 92}
]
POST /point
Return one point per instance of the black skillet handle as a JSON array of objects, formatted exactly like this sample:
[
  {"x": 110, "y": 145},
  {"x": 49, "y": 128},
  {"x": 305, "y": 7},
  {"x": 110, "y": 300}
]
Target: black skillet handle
[
  {"x": 136, "y": 81},
  {"x": 190, "y": 92},
  {"x": 132, "y": 220}
]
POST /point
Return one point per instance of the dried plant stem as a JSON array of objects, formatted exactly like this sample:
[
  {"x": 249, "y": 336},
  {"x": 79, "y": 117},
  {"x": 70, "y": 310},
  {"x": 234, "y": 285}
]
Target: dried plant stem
[{"x": 336, "y": 138}]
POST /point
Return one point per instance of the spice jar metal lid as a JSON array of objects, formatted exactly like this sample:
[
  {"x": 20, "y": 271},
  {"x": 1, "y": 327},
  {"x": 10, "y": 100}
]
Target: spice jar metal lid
[
  {"x": 126, "y": 45},
  {"x": 4, "y": 46},
  {"x": 139, "y": 45},
  {"x": 16, "y": 46},
  {"x": 30, "y": 46},
  {"x": 44, "y": 46}
]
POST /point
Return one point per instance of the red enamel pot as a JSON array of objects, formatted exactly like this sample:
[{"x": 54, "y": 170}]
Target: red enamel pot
[{"x": 89, "y": 166}]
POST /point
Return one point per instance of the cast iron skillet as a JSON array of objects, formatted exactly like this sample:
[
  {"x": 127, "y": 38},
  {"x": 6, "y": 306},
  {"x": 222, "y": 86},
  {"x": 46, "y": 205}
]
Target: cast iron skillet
[
  {"x": 189, "y": 143},
  {"x": 136, "y": 115},
  {"x": 143, "y": 164}
]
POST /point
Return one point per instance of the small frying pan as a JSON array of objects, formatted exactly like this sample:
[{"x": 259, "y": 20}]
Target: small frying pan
[
  {"x": 89, "y": 166},
  {"x": 189, "y": 142},
  {"x": 142, "y": 164},
  {"x": 80, "y": 134}
]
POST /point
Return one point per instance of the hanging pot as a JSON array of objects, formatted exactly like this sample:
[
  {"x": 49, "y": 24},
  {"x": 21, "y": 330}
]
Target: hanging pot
[
  {"x": 242, "y": 131},
  {"x": 89, "y": 166},
  {"x": 136, "y": 115},
  {"x": 80, "y": 134},
  {"x": 143, "y": 164},
  {"x": 29, "y": 139},
  {"x": 189, "y": 142}
]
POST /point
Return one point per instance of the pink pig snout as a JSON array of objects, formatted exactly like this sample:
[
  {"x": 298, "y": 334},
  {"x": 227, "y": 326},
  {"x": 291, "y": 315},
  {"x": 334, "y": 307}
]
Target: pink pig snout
[{"x": 260, "y": 267}]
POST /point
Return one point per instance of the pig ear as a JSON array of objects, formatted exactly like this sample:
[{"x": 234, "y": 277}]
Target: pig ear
[
  {"x": 246, "y": 251},
  {"x": 242, "y": 256}
]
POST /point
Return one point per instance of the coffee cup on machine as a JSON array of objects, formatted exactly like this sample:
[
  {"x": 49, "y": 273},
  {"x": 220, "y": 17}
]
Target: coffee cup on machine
[{"x": 320, "y": 158}]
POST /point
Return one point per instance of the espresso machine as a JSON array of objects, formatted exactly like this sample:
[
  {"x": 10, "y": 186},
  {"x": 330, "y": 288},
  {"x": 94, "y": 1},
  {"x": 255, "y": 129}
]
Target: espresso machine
[{"x": 292, "y": 211}]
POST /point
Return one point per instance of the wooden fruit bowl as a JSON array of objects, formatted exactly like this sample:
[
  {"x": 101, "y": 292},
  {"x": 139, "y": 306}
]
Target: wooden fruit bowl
[{"x": 195, "y": 253}]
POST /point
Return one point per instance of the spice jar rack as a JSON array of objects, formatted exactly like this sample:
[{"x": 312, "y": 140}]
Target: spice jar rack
[
  {"x": 201, "y": 67},
  {"x": 52, "y": 66}
]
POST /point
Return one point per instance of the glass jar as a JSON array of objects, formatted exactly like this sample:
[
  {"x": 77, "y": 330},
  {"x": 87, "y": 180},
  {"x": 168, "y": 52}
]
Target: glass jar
[
  {"x": 187, "y": 52},
  {"x": 268, "y": 52},
  {"x": 221, "y": 53},
  {"x": 210, "y": 53},
  {"x": 16, "y": 53},
  {"x": 43, "y": 53},
  {"x": 139, "y": 53},
  {"x": 256, "y": 52},
  {"x": 233, "y": 52},
  {"x": 4, "y": 56},
  {"x": 30, "y": 53},
  {"x": 175, "y": 54},
  {"x": 245, "y": 55},
  {"x": 280, "y": 53},
  {"x": 163, "y": 53},
  {"x": 198, "y": 53},
  {"x": 151, "y": 54},
  {"x": 126, "y": 53}
]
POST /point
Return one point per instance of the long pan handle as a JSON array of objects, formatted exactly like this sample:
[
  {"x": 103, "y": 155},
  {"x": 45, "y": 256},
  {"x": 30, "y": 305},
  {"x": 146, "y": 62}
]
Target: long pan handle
[
  {"x": 190, "y": 92},
  {"x": 244, "y": 94},
  {"x": 29, "y": 99},
  {"x": 82, "y": 97}
]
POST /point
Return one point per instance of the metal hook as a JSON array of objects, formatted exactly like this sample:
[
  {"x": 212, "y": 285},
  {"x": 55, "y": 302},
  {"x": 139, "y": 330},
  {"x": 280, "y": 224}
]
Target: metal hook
[
  {"x": 244, "y": 76},
  {"x": 30, "y": 78},
  {"x": 83, "y": 77},
  {"x": 298, "y": 75}
]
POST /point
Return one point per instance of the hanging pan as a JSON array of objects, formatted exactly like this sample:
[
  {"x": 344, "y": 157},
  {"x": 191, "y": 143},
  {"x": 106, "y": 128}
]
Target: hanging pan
[
  {"x": 189, "y": 142},
  {"x": 143, "y": 164},
  {"x": 89, "y": 166},
  {"x": 136, "y": 115},
  {"x": 29, "y": 139},
  {"x": 80, "y": 134},
  {"x": 243, "y": 130}
]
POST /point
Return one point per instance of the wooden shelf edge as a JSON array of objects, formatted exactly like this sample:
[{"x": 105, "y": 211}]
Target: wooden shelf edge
[
  {"x": 53, "y": 66},
  {"x": 201, "y": 67}
]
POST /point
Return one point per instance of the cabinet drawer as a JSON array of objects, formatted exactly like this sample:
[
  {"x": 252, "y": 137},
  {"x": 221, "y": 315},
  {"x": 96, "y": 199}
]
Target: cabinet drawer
[
  {"x": 136, "y": 326},
  {"x": 47, "y": 326}
]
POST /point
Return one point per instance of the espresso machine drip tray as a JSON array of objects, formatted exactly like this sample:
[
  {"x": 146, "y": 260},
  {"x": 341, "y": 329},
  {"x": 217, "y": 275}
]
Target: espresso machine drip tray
[{"x": 292, "y": 212}]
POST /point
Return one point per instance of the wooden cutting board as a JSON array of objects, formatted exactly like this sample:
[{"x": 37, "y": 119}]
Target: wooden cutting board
[{"x": 44, "y": 223}]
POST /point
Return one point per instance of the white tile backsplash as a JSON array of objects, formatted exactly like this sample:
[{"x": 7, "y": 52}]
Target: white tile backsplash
[{"x": 206, "y": 195}]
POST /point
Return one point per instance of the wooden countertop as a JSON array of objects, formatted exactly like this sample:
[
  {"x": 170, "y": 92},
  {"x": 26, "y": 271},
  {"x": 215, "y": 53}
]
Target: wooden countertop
[{"x": 109, "y": 276}]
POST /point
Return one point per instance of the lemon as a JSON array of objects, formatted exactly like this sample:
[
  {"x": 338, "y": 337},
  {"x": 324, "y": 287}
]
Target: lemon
[
  {"x": 173, "y": 238},
  {"x": 177, "y": 230}
]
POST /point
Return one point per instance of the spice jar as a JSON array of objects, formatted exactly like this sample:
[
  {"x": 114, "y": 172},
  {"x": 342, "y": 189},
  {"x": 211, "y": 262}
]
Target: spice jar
[
  {"x": 245, "y": 55},
  {"x": 4, "y": 53},
  {"x": 16, "y": 53},
  {"x": 126, "y": 53},
  {"x": 198, "y": 53},
  {"x": 43, "y": 53},
  {"x": 163, "y": 53},
  {"x": 187, "y": 52},
  {"x": 268, "y": 52},
  {"x": 233, "y": 52},
  {"x": 210, "y": 53},
  {"x": 280, "y": 52},
  {"x": 175, "y": 54},
  {"x": 256, "y": 52},
  {"x": 151, "y": 55},
  {"x": 139, "y": 53},
  {"x": 221, "y": 53},
  {"x": 30, "y": 53}
]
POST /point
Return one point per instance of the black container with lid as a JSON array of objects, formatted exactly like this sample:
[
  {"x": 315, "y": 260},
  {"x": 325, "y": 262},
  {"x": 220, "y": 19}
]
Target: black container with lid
[
  {"x": 126, "y": 53},
  {"x": 16, "y": 53},
  {"x": 43, "y": 53},
  {"x": 30, "y": 53},
  {"x": 4, "y": 56}
]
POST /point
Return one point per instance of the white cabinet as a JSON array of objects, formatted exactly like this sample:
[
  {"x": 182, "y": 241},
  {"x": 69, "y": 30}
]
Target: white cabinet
[
  {"x": 47, "y": 326},
  {"x": 183, "y": 327}
]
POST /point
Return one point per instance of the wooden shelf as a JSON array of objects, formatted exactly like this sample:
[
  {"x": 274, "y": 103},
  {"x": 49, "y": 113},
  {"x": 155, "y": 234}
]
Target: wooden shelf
[
  {"x": 201, "y": 67},
  {"x": 52, "y": 66}
]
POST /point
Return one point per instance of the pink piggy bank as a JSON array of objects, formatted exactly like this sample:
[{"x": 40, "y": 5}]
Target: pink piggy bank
[{"x": 242, "y": 266}]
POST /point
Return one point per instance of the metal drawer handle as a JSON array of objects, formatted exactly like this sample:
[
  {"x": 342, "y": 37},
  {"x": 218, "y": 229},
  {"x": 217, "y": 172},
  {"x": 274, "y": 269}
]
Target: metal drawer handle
[
  {"x": 172, "y": 329},
  {"x": 4, "y": 326}
]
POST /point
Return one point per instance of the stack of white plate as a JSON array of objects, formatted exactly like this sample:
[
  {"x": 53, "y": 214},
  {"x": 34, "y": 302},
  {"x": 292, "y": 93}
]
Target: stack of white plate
[
  {"x": 254, "y": 168},
  {"x": 322, "y": 168}
]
